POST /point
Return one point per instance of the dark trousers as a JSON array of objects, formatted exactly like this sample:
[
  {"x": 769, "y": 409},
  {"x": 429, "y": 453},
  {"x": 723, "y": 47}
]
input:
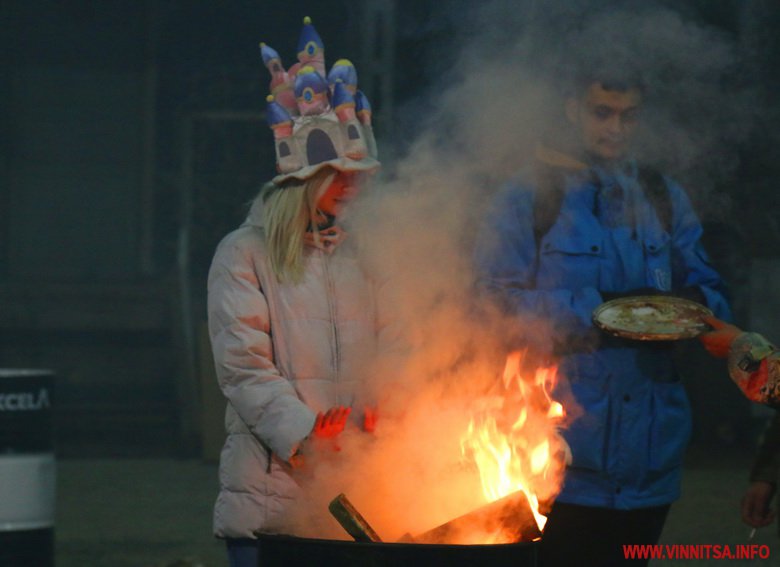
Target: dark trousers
[
  {"x": 242, "y": 552},
  {"x": 583, "y": 536}
]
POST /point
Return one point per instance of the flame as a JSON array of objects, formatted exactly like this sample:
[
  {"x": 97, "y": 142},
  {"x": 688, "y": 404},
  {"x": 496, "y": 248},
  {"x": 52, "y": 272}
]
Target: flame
[{"x": 518, "y": 448}]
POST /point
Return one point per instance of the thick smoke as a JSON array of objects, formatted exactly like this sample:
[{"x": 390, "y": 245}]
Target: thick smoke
[
  {"x": 502, "y": 93},
  {"x": 515, "y": 61}
]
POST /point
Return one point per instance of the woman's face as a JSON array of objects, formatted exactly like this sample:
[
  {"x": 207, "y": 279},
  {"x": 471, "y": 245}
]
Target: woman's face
[{"x": 344, "y": 187}]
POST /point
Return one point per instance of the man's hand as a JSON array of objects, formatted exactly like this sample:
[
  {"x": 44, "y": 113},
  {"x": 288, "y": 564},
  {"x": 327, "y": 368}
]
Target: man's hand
[
  {"x": 563, "y": 453},
  {"x": 718, "y": 341},
  {"x": 331, "y": 423},
  {"x": 755, "y": 504}
]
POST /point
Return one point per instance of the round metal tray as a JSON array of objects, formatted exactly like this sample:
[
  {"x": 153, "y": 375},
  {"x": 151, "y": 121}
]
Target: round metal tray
[{"x": 652, "y": 318}]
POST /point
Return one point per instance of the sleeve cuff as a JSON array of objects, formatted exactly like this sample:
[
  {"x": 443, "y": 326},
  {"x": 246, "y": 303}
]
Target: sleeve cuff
[
  {"x": 289, "y": 431},
  {"x": 717, "y": 304},
  {"x": 590, "y": 298}
]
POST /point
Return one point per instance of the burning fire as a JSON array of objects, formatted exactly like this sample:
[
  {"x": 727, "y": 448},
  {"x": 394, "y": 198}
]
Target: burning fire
[{"x": 514, "y": 441}]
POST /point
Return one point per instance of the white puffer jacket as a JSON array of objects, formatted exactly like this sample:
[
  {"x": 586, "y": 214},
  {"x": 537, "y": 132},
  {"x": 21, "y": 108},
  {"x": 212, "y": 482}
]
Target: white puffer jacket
[{"x": 282, "y": 353}]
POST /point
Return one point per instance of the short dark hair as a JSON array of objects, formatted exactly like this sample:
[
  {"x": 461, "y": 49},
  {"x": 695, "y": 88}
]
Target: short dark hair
[{"x": 611, "y": 74}]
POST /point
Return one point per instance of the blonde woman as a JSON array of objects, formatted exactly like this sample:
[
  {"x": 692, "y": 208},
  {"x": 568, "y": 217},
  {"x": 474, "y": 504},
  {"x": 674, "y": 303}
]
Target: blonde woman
[
  {"x": 291, "y": 313},
  {"x": 291, "y": 320}
]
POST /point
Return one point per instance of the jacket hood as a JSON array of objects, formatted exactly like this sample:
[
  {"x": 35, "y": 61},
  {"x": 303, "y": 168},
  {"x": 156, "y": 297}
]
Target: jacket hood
[{"x": 255, "y": 215}]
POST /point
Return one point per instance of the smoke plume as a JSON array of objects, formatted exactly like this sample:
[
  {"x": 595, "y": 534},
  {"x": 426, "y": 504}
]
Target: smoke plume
[{"x": 500, "y": 92}]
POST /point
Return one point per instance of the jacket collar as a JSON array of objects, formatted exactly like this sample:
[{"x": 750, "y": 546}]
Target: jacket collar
[
  {"x": 330, "y": 235},
  {"x": 555, "y": 158},
  {"x": 327, "y": 239},
  {"x": 619, "y": 172}
]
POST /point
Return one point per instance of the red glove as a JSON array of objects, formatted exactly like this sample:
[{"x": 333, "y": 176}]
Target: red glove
[
  {"x": 718, "y": 341},
  {"x": 331, "y": 423},
  {"x": 369, "y": 419}
]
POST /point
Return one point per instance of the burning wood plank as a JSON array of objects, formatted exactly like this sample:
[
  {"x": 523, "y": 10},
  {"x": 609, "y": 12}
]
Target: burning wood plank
[
  {"x": 351, "y": 520},
  {"x": 510, "y": 516}
]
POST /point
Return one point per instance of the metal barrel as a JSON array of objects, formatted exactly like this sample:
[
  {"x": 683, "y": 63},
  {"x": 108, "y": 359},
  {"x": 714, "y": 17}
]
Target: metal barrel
[
  {"x": 282, "y": 551},
  {"x": 27, "y": 468}
]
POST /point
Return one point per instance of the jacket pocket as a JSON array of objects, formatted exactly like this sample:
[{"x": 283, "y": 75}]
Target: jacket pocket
[
  {"x": 587, "y": 433},
  {"x": 670, "y": 426},
  {"x": 569, "y": 261}
]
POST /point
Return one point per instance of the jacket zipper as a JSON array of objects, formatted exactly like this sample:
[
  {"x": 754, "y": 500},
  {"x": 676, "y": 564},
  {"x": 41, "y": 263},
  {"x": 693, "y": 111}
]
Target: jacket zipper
[{"x": 331, "y": 289}]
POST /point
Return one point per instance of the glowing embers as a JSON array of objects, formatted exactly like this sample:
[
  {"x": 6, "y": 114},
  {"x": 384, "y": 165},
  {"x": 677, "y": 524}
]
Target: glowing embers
[{"x": 513, "y": 440}]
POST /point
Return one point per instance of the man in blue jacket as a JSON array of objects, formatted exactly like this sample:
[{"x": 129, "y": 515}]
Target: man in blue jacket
[{"x": 585, "y": 226}]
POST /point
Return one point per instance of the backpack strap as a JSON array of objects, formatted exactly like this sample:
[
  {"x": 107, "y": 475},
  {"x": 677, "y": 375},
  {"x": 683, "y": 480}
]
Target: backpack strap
[
  {"x": 657, "y": 193},
  {"x": 547, "y": 199},
  {"x": 549, "y": 193}
]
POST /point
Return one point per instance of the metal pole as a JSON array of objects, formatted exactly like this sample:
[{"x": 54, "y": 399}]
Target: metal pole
[
  {"x": 187, "y": 383},
  {"x": 146, "y": 249}
]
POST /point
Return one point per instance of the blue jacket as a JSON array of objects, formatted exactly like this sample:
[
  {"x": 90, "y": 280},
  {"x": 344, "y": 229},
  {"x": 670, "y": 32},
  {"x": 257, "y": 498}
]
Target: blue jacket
[{"x": 630, "y": 420}]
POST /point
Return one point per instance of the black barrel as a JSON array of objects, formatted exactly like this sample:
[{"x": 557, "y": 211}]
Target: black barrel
[
  {"x": 27, "y": 468},
  {"x": 283, "y": 551}
]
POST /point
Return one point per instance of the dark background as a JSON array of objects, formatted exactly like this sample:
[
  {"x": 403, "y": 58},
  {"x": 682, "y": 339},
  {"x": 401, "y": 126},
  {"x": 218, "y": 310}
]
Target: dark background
[{"x": 132, "y": 137}]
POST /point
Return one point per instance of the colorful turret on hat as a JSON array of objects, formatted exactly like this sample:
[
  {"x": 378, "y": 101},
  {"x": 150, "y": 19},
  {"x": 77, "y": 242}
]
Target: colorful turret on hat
[
  {"x": 311, "y": 51},
  {"x": 317, "y": 121},
  {"x": 281, "y": 84}
]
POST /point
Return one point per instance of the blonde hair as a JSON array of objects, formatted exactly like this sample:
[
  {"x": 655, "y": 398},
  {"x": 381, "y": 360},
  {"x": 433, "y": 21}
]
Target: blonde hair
[{"x": 287, "y": 214}]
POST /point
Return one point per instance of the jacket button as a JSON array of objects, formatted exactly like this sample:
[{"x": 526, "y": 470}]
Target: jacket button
[
  {"x": 617, "y": 490},
  {"x": 546, "y": 245},
  {"x": 594, "y": 248},
  {"x": 626, "y": 398},
  {"x": 652, "y": 247}
]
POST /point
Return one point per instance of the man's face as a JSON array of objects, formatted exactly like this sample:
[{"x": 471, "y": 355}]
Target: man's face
[{"x": 607, "y": 120}]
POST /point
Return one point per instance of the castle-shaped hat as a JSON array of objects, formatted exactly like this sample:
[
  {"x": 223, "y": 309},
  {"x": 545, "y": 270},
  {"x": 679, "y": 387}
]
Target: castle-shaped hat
[{"x": 318, "y": 120}]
